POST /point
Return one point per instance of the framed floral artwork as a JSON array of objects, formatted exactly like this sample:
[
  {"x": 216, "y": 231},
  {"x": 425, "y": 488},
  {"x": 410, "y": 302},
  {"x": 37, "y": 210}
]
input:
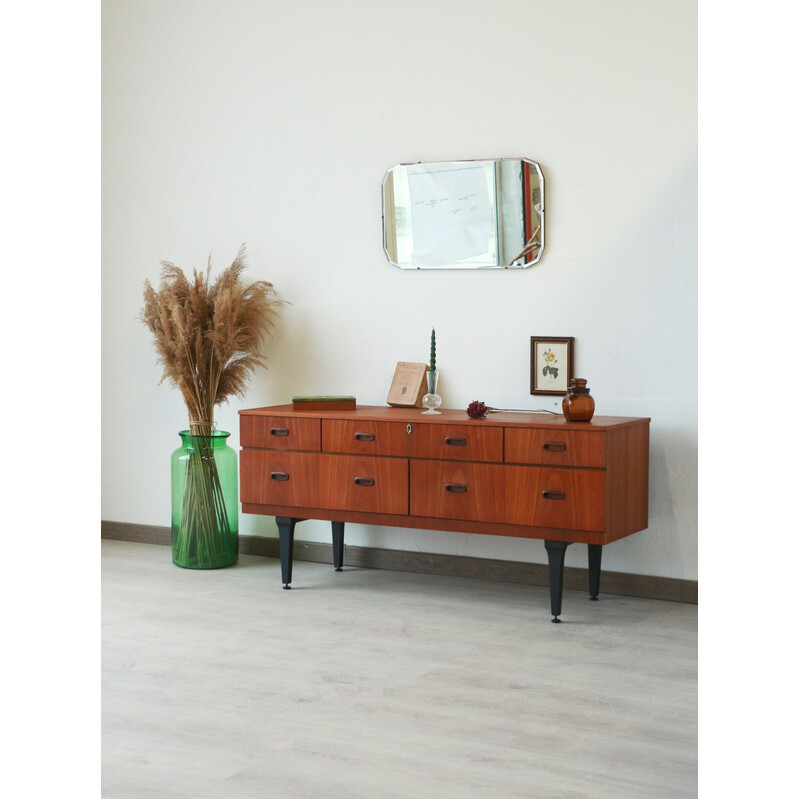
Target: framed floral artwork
[{"x": 552, "y": 358}]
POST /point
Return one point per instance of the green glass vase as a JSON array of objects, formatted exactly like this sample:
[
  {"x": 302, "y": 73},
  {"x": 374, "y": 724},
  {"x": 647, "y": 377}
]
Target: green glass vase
[{"x": 205, "y": 512}]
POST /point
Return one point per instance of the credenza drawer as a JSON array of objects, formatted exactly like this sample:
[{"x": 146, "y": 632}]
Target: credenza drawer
[
  {"x": 280, "y": 433},
  {"x": 516, "y": 495},
  {"x": 563, "y": 448},
  {"x": 318, "y": 480},
  {"x": 366, "y": 437},
  {"x": 410, "y": 440},
  {"x": 458, "y": 442}
]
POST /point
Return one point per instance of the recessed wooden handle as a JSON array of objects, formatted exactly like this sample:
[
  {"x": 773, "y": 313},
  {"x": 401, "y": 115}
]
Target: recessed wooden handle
[
  {"x": 555, "y": 447},
  {"x": 364, "y": 481},
  {"x": 278, "y": 431},
  {"x": 456, "y": 488},
  {"x": 365, "y": 437},
  {"x": 550, "y": 495},
  {"x": 456, "y": 441},
  {"x": 279, "y": 476}
]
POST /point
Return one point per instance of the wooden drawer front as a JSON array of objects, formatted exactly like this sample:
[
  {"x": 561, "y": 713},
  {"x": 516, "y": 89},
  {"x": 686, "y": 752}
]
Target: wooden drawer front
[
  {"x": 550, "y": 498},
  {"x": 279, "y": 433},
  {"x": 452, "y": 442},
  {"x": 310, "y": 480},
  {"x": 457, "y": 442},
  {"x": 555, "y": 447},
  {"x": 365, "y": 438}
]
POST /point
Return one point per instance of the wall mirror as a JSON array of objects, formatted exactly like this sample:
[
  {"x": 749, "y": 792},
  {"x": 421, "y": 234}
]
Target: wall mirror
[{"x": 479, "y": 214}]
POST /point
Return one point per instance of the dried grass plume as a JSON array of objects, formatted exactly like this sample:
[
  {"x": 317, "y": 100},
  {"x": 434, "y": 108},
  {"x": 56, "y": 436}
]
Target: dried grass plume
[{"x": 209, "y": 336}]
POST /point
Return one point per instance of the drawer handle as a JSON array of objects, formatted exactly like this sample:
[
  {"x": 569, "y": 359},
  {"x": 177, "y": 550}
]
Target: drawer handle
[
  {"x": 456, "y": 441},
  {"x": 456, "y": 488},
  {"x": 364, "y": 481},
  {"x": 555, "y": 447},
  {"x": 365, "y": 437},
  {"x": 279, "y": 476},
  {"x": 550, "y": 495},
  {"x": 278, "y": 431}
]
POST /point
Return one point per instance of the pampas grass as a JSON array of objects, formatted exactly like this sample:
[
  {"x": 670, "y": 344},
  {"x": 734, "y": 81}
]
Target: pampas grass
[{"x": 208, "y": 338}]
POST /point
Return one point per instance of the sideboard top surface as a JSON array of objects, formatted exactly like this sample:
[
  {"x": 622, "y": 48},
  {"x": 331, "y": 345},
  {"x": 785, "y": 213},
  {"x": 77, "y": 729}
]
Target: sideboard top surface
[{"x": 451, "y": 415}]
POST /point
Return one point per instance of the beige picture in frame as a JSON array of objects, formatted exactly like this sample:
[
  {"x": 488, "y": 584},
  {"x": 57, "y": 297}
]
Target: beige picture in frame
[
  {"x": 552, "y": 358},
  {"x": 408, "y": 385}
]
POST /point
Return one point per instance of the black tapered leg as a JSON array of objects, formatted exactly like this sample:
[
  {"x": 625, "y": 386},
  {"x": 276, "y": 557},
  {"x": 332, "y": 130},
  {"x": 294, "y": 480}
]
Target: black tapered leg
[
  {"x": 338, "y": 545},
  {"x": 595, "y": 556},
  {"x": 286, "y": 534},
  {"x": 555, "y": 560}
]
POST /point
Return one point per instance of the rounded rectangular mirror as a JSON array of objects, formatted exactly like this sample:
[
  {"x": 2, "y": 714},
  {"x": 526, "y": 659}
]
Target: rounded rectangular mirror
[{"x": 480, "y": 214}]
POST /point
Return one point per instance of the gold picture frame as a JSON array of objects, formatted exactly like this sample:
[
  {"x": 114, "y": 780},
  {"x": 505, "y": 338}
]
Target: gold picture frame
[{"x": 408, "y": 385}]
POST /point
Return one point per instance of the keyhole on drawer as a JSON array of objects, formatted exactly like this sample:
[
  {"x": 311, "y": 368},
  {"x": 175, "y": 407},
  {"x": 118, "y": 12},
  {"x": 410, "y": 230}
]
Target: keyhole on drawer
[{"x": 408, "y": 427}]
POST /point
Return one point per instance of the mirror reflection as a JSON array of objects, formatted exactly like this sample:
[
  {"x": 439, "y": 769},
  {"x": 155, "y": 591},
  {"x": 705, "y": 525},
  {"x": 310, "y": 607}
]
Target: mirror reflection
[{"x": 481, "y": 214}]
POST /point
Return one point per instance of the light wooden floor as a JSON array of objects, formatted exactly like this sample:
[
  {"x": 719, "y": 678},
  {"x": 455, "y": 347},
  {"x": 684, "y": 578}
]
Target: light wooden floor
[{"x": 379, "y": 684}]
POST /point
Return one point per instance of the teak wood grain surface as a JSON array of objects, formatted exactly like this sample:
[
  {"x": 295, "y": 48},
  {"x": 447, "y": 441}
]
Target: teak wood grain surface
[
  {"x": 338, "y": 483},
  {"x": 462, "y": 442},
  {"x": 511, "y": 474}
]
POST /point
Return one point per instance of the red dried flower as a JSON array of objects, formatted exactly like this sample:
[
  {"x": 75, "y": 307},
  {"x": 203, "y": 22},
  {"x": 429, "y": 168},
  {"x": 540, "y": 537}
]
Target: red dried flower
[{"x": 477, "y": 410}]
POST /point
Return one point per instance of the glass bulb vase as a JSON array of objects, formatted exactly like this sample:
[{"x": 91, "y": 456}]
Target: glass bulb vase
[
  {"x": 432, "y": 400},
  {"x": 205, "y": 511}
]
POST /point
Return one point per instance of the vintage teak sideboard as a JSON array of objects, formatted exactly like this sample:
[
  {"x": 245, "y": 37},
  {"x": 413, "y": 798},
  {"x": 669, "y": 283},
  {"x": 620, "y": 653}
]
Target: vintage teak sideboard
[{"x": 521, "y": 474}]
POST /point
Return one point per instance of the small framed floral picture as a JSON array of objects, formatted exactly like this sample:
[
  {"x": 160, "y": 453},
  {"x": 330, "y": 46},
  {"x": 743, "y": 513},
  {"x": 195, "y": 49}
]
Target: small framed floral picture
[{"x": 551, "y": 364}]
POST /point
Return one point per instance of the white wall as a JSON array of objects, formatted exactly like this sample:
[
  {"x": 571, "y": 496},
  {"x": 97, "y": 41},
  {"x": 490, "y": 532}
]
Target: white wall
[{"x": 272, "y": 123}]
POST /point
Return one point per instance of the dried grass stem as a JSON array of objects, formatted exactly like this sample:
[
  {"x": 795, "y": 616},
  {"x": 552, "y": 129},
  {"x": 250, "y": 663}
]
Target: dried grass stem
[{"x": 209, "y": 336}]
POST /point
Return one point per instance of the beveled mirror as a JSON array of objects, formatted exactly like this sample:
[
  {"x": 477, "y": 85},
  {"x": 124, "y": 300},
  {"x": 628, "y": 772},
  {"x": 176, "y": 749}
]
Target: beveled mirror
[{"x": 479, "y": 214}]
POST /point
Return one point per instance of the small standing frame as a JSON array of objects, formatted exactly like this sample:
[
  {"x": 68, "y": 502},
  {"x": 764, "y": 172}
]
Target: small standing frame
[
  {"x": 552, "y": 359},
  {"x": 408, "y": 385}
]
